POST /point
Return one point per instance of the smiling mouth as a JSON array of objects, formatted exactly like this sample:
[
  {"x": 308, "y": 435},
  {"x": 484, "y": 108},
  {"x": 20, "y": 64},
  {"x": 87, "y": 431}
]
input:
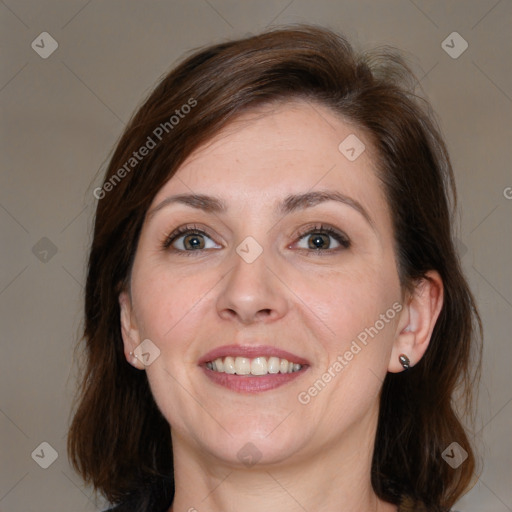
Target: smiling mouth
[
  {"x": 252, "y": 368},
  {"x": 257, "y": 366}
]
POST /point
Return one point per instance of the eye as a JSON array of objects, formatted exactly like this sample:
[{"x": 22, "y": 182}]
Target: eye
[
  {"x": 189, "y": 239},
  {"x": 322, "y": 238}
]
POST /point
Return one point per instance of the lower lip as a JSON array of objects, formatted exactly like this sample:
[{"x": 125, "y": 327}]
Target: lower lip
[{"x": 251, "y": 383}]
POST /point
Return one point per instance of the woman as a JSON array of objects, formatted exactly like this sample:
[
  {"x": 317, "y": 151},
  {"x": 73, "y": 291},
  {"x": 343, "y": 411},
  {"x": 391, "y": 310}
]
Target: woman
[{"x": 276, "y": 317}]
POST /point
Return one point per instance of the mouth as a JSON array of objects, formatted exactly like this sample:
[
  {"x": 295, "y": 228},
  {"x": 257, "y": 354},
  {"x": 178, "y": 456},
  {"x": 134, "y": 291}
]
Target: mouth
[
  {"x": 256, "y": 367},
  {"x": 252, "y": 369}
]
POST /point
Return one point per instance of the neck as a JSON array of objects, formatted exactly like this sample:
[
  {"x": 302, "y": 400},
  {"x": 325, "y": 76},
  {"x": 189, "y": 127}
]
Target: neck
[{"x": 336, "y": 478}]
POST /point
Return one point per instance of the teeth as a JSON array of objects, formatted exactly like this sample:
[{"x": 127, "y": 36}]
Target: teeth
[
  {"x": 274, "y": 365},
  {"x": 259, "y": 366},
  {"x": 229, "y": 365},
  {"x": 219, "y": 365},
  {"x": 256, "y": 366},
  {"x": 242, "y": 366}
]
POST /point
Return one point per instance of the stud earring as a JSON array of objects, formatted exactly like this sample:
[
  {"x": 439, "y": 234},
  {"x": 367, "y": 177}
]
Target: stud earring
[
  {"x": 134, "y": 359},
  {"x": 404, "y": 361}
]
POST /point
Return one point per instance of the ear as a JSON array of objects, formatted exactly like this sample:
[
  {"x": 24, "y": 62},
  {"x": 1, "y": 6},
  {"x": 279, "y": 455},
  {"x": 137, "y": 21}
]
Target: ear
[
  {"x": 129, "y": 330},
  {"x": 417, "y": 321}
]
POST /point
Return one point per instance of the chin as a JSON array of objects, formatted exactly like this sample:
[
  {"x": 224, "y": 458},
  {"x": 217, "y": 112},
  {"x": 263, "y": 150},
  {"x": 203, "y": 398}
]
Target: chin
[
  {"x": 256, "y": 441},
  {"x": 249, "y": 452}
]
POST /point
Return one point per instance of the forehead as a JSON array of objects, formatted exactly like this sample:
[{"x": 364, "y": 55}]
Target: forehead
[{"x": 281, "y": 149}]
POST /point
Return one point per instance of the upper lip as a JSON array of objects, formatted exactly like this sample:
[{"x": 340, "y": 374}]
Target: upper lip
[{"x": 251, "y": 351}]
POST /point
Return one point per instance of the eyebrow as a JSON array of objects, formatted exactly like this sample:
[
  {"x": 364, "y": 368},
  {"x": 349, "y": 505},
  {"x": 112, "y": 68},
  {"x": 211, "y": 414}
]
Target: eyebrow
[
  {"x": 309, "y": 199},
  {"x": 199, "y": 201},
  {"x": 290, "y": 204}
]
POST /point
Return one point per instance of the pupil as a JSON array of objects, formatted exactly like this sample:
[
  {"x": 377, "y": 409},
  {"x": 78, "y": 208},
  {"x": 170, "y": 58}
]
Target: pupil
[
  {"x": 194, "y": 241},
  {"x": 318, "y": 241}
]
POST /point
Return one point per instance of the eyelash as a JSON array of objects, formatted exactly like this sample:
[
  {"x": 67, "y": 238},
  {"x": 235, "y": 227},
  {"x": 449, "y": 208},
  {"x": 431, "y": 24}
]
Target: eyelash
[
  {"x": 178, "y": 233},
  {"x": 340, "y": 237}
]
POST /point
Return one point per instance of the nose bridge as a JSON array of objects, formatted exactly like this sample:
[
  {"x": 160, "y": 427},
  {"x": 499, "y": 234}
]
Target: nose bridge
[{"x": 251, "y": 291}]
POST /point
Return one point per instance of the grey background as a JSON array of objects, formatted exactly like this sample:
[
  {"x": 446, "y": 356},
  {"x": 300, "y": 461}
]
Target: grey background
[{"x": 62, "y": 115}]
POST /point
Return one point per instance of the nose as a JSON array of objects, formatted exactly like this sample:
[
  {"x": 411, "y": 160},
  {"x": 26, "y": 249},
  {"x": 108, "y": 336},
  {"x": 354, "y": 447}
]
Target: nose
[{"x": 252, "y": 292}]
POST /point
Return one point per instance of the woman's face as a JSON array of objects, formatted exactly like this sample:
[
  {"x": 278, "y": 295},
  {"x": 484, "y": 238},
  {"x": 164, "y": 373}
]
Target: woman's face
[{"x": 281, "y": 273}]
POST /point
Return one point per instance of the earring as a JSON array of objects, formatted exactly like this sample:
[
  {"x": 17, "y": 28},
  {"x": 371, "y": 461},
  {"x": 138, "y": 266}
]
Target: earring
[
  {"x": 134, "y": 359},
  {"x": 404, "y": 361}
]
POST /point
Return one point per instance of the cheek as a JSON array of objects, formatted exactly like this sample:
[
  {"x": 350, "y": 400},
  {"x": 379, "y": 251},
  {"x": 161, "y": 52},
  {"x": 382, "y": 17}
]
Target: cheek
[
  {"x": 359, "y": 340},
  {"x": 350, "y": 300},
  {"x": 167, "y": 305}
]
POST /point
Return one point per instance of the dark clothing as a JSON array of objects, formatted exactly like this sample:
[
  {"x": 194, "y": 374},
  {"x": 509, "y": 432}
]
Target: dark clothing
[{"x": 152, "y": 497}]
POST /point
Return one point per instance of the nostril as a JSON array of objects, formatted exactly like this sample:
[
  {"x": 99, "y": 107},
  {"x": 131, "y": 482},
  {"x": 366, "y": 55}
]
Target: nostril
[{"x": 247, "y": 316}]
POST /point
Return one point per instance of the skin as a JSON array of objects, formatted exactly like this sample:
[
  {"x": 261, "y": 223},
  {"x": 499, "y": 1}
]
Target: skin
[{"x": 312, "y": 303}]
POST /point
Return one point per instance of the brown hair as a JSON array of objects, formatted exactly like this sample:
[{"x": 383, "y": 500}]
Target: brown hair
[{"x": 118, "y": 439}]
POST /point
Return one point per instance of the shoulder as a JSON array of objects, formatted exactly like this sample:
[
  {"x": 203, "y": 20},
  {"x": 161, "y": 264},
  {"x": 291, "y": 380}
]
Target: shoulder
[{"x": 137, "y": 506}]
